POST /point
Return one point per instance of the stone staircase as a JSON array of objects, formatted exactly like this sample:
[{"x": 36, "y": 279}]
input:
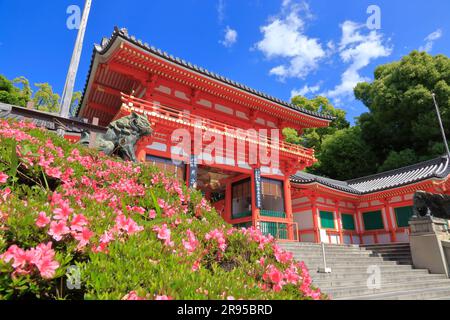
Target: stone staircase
[{"x": 353, "y": 266}]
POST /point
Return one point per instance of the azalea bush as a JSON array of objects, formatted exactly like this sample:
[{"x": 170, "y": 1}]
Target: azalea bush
[{"x": 127, "y": 230}]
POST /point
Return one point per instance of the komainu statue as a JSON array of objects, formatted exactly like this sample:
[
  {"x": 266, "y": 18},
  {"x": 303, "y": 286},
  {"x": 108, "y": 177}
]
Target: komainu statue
[
  {"x": 430, "y": 204},
  {"x": 122, "y": 136}
]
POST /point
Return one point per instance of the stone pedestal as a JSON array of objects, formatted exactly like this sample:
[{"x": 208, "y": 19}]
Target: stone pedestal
[{"x": 427, "y": 252}]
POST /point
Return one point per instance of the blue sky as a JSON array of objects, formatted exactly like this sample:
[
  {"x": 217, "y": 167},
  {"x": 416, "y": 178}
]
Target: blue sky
[{"x": 278, "y": 46}]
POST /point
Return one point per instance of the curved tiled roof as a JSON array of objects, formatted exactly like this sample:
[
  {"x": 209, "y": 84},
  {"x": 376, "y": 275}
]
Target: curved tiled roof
[
  {"x": 436, "y": 168},
  {"x": 123, "y": 33}
]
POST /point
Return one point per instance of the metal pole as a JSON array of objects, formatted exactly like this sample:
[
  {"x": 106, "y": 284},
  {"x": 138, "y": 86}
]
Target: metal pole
[
  {"x": 441, "y": 125},
  {"x": 74, "y": 63}
]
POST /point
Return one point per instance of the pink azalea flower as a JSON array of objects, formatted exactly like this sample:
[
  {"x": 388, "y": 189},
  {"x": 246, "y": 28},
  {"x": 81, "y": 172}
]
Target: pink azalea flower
[
  {"x": 219, "y": 237},
  {"x": 42, "y": 220},
  {"x": 132, "y": 296},
  {"x": 53, "y": 172},
  {"x": 164, "y": 234},
  {"x": 83, "y": 237},
  {"x": 63, "y": 212},
  {"x": 163, "y": 298},
  {"x": 78, "y": 222},
  {"x": 152, "y": 214},
  {"x": 3, "y": 178},
  {"x": 45, "y": 260},
  {"x": 196, "y": 266},
  {"x": 58, "y": 230},
  {"x": 191, "y": 244}
]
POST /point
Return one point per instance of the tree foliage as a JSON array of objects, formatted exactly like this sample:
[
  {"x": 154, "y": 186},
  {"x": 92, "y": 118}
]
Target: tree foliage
[
  {"x": 18, "y": 92},
  {"x": 401, "y": 124},
  {"x": 345, "y": 155},
  {"x": 10, "y": 94},
  {"x": 399, "y": 129},
  {"x": 313, "y": 138}
]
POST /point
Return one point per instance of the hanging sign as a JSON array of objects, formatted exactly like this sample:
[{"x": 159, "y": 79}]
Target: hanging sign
[
  {"x": 258, "y": 189},
  {"x": 193, "y": 169}
]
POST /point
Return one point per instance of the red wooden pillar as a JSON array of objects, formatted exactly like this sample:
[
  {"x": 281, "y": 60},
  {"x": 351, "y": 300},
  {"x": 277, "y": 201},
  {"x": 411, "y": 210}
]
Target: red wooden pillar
[
  {"x": 391, "y": 227},
  {"x": 359, "y": 225},
  {"x": 315, "y": 214},
  {"x": 288, "y": 206},
  {"x": 339, "y": 221}
]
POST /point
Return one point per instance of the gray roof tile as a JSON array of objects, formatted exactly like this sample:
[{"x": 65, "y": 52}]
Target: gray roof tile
[
  {"x": 435, "y": 168},
  {"x": 123, "y": 33}
]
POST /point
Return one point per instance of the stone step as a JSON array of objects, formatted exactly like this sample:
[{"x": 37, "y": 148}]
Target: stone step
[
  {"x": 334, "y": 254},
  {"x": 363, "y": 269},
  {"x": 386, "y": 245},
  {"x": 358, "y": 291},
  {"x": 395, "y": 273},
  {"x": 362, "y": 281},
  {"x": 348, "y": 262},
  {"x": 316, "y": 247},
  {"x": 418, "y": 294},
  {"x": 387, "y": 251}
]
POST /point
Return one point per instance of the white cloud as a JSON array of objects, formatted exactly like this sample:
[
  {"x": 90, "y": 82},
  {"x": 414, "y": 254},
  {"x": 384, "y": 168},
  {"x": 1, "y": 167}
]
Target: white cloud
[
  {"x": 305, "y": 90},
  {"x": 430, "y": 39},
  {"x": 357, "y": 50},
  {"x": 284, "y": 38},
  {"x": 221, "y": 10},
  {"x": 230, "y": 38}
]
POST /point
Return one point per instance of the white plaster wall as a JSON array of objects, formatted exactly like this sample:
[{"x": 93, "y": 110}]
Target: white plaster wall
[
  {"x": 364, "y": 205},
  {"x": 260, "y": 121},
  {"x": 164, "y": 89},
  {"x": 241, "y": 115},
  {"x": 409, "y": 196},
  {"x": 368, "y": 239},
  {"x": 158, "y": 146},
  {"x": 181, "y": 95},
  {"x": 334, "y": 239},
  {"x": 304, "y": 219},
  {"x": 376, "y": 203},
  {"x": 356, "y": 240},
  {"x": 396, "y": 199},
  {"x": 224, "y": 109},
  {"x": 402, "y": 237},
  {"x": 205, "y": 103},
  {"x": 300, "y": 200},
  {"x": 347, "y": 239},
  {"x": 384, "y": 238}
]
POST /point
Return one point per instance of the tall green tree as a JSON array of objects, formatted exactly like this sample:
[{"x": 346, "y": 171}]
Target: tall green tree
[
  {"x": 45, "y": 99},
  {"x": 345, "y": 155},
  {"x": 11, "y": 94},
  {"x": 401, "y": 125},
  {"x": 314, "y": 137}
]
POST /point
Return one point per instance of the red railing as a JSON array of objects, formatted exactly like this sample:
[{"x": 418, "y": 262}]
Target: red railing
[{"x": 180, "y": 118}]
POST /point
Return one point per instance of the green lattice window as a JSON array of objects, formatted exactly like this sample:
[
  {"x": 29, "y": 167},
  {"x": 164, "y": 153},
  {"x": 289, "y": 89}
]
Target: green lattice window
[
  {"x": 273, "y": 214},
  {"x": 402, "y": 216},
  {"x": 348, "y": 222},
  {"x": 327, "y": 220},
  {"x": 373, "y": 220},
  {"x": 277, "y": 230}
]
